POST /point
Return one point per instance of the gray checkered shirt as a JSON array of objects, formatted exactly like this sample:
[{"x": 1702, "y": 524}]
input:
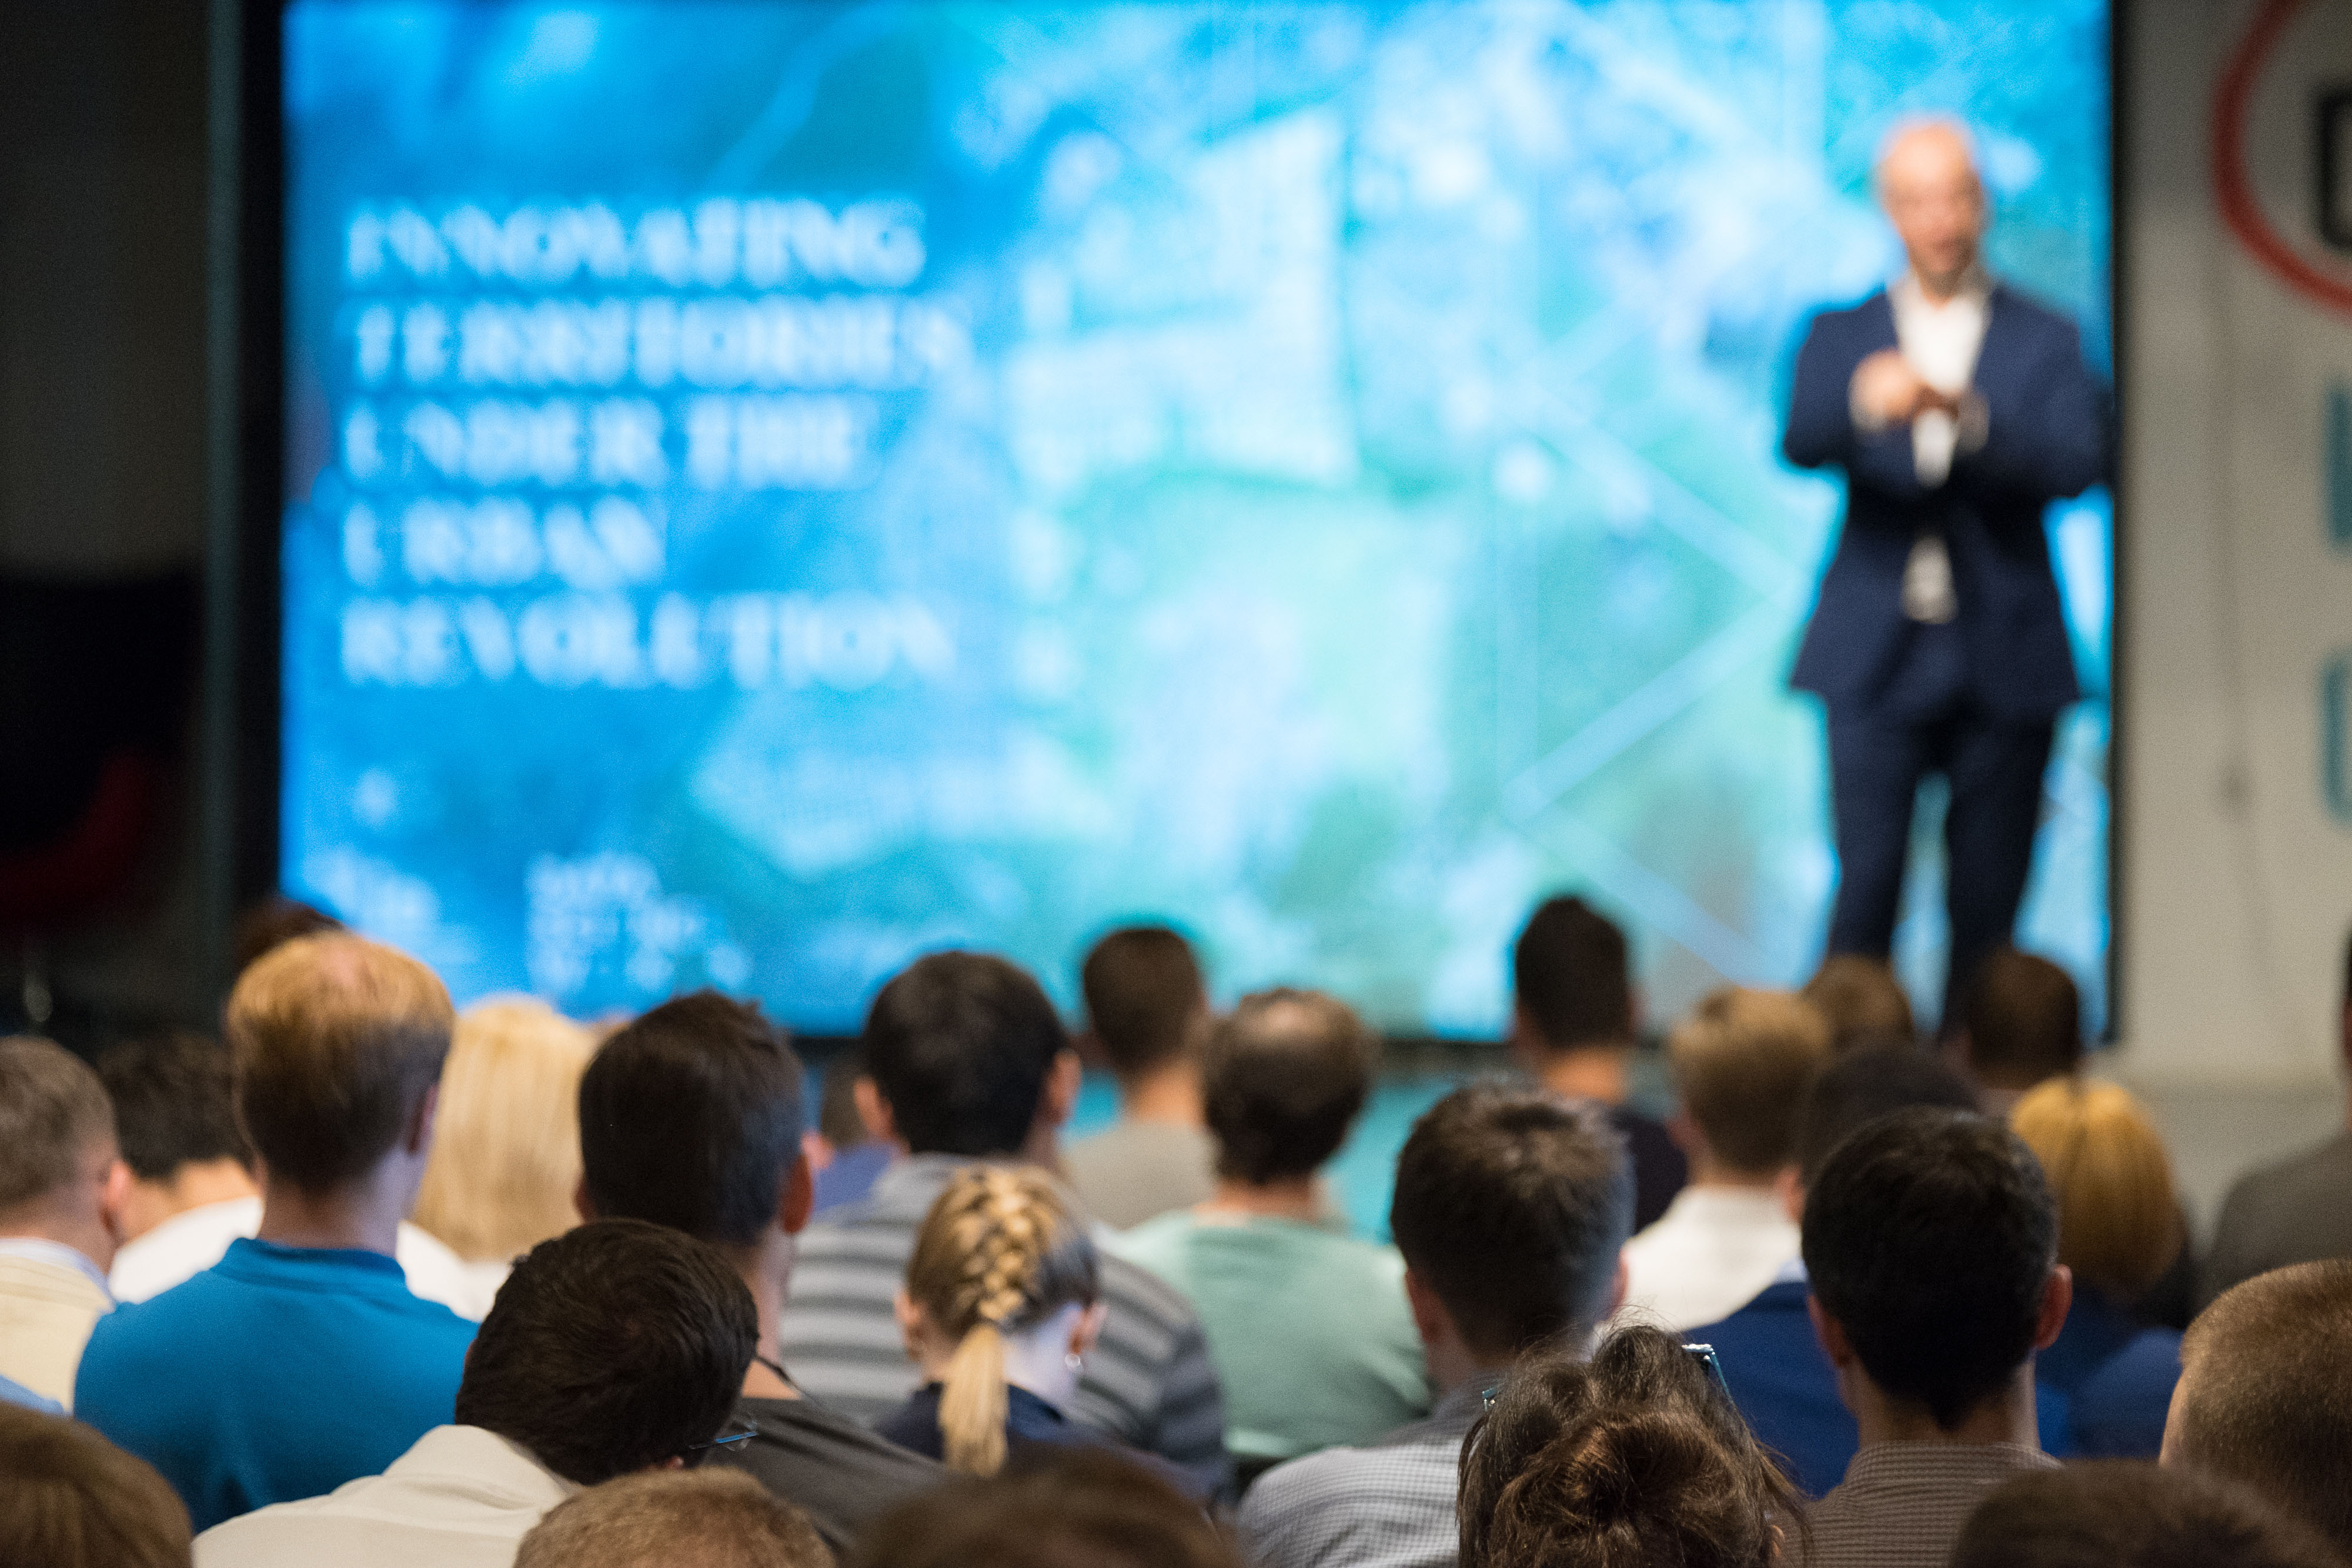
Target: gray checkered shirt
[
  {"x": 1387, "y": 1505},
  {"x": 1149, "y": 1381},
  {"x": 1902, "y": 1504}
]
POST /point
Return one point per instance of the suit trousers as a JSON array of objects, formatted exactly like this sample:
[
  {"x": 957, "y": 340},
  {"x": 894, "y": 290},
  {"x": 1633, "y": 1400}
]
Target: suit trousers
[{"x": 1994, "y": 765}]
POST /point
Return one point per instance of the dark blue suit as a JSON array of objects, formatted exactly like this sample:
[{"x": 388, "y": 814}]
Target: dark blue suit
[{"x": 1974, "y": 698}]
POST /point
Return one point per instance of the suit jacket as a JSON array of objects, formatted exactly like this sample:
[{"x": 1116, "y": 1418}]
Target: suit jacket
[
  {"x": 1782, "y": 1382},
  {"x": 2046, "y": 437}
]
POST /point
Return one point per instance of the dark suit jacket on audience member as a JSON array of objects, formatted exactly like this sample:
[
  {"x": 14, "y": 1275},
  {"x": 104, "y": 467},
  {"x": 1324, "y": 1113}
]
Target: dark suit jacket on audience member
[
  {"x": 1782, "y": 1382},
  {"x": 821, "y": 1462},
  {"x": 2296, "y": 1211},
  {"x": 2046, "y": 437}
]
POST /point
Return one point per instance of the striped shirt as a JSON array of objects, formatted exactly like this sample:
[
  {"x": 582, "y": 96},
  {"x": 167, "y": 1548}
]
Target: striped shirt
[
  {"x": 1902, "y": 1504},
  {"x": 1148, "y": 1381},
  {"x": 1388, "y": 1504}
]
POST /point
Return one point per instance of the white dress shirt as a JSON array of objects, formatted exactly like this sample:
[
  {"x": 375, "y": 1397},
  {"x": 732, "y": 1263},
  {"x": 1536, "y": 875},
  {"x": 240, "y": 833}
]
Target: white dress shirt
[
  {"x": 194, "y": 1240},
  {"x": 1706, "y": 1257},
  {"x": 461, "y": 1498},
  {"x": 1940, "y": 342},
  {"x": 50, "y": 1298}
]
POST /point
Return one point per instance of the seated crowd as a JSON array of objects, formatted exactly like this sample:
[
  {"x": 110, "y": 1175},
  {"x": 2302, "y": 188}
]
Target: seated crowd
[{"x": 372, "y": 1281}]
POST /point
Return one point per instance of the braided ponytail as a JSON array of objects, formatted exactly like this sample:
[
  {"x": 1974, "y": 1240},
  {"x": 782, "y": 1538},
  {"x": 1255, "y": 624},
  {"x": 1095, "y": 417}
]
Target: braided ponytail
[{"x": 1000, "y": 1251}]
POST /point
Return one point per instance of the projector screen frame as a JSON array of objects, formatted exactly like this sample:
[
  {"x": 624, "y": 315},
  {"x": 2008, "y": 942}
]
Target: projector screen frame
[{"x": 240, "y": 754}]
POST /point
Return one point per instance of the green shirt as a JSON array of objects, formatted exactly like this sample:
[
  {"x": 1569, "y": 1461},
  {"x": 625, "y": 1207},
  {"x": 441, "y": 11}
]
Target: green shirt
[{"x": 1308, "y": 1328}]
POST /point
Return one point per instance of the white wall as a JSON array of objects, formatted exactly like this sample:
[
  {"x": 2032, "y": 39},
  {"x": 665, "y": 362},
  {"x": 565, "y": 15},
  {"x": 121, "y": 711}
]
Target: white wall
[{"x": 2237, "y": 877}]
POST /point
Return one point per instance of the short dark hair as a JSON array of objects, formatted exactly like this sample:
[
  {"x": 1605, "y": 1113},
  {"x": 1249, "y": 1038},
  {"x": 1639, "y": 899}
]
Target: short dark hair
[
  {"x": 960, "y": 1045},
  {"x": 667, "y": 1518},
  {"x": 1861, "y": 1001},
  {"x": 53, "y": 1111},
  {"x": 1512, "y": 1205},
  {"x": 1930, "y": 1237},
  {"x": 2264, "y": 1399},
  {"x": 172, "y": 1105},
  {"x": 76, "y": 1500},
  {"x": 334, "y": 1042},
  {"x": 1076, "y": 1508},
  {"x": 1282, "y": 1080},
  {"x": 690, "y": 1117},
  {"x": 1144, "y": 996},
  {"x": 273, "y": 922},
  {"x": 2118, "y": 1513},
  {"x": 2024, "y": 1021},
  {"x": 616, "y": 1346},
  {"x": 1572, "y": 976},
  {"x": 1855, "y": 1090},
  {"x": 1634, "y": 1456},
  {"x": 836, "y": 1106}
]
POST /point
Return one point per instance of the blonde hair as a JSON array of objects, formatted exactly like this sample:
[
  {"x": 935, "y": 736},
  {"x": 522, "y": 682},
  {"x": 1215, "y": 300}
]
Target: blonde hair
[
  {"x": 505, "y": 1148},
  {"x": 712, "y": 1518},
  {"x": 1741, "y": 1062},
  {"x": 999, "y": 1251},
  {"x": 2118, "y": 1217}
]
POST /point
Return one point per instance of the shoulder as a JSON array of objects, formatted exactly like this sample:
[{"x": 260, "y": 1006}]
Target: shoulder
[
  {"x": 1386, "y": 1486},
  {"x": 1140, "y": 1296},
  {"x": 2286, "y": 1183},
  {"x": 2031, "y": 310},
  {"x": 1841, "y": 323}
]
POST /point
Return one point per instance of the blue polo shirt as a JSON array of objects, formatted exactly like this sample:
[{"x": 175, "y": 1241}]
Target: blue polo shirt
[{"x": 280, "y": 1373}]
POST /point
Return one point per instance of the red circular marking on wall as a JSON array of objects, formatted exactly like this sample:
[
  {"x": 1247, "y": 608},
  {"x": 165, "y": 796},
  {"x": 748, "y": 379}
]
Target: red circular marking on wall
[{"x": 2239, "y": 207}]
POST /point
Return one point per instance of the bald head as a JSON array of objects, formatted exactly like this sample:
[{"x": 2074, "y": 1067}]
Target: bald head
[
  {"x": 334, "y": 1042},
  {"x": 2262, "y": 1398},
  {"x": 1928, "y": 184}
]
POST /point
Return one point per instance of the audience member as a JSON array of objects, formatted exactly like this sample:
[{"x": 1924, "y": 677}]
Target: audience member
[
  {"x": 2020, "y": 1024},
  {"x": 1632, "y": 1459},
  {"x": 1309, "y": 1329},
  {"x": 2120, "y": 1228},
  {"x": 2119, "y": 1514},
  {"x": 615, "y": 1348},
  {"x": 192, "y": 1189},
  {"x": 1000, "y": 1310},
  {"x": 1863, "y": 1003},
  {"x": 1771, "y": 1359},
  {"x": 301, "y": 1360},
  {"x": 1081, "y": 1508},
  {"x": 2293, "y": 1211},
  {"x": 506, "y": 1147},
  {"x": 273, "y": 922},
  {"x": 63, "y": 1189},
  {"x": 1931, "y": 1242},
  {"x": 968, "y": 1061},
  {"x": 706, "y": 1518},
  {"x": 69, "y": 1498},
  {"x": 1145, "y": 1008},
  {"x": 845, "y": 1155},
  {"x": 1572, "y": 1027},
  {"x": 2264, "y": 1398},
  {"x": 1511, "y": 1207},
  {"x": 709, "y": 1074},
  {"x": 1741, "y": 1063}
]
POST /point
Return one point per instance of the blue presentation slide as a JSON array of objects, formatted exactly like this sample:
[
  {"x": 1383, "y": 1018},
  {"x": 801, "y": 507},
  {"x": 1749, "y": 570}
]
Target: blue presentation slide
[{"x": 776, "y": 488}]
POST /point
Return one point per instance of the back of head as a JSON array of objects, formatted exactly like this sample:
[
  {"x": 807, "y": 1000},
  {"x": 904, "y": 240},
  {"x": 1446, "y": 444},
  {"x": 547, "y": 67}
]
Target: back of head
[
  {"x": 675, "y": 1519},
  {"x": 1082, "y": 1509},
  {"x": 1144, "y": 997},
  {"x": 690, "y": 1117},
  {"x": 2118, "y": 1218},
  {"x": 1282, "y": 1079},
  {"x": 837, "y": 1120},
  {"x": 1632, "y": 1458},
  {"x": 1855, "y": 1090},
  {"x": 172, "y": 1104},
  {"x": 1930, "y": 1236},
  {"x": 269, "y": 925},
  {"x": 506, "y": 1145},
  {"x": 76, "y": 1500},
  {"x": 2125, "y": 1514},
  {"x": 609, "y": 1349},
  {"x": 334, "y": 1041},
  {"x": 1570, "y": 977},
  {"x": 2262, "y": 1398},
  {"x": 1511, "y": 1206},
  {"x": 55, "y": 1119},
  {"x": 1741, "y": 1062},
  {"x": 1861, "y": 1001},
  {"x": 1000, "y": 1251},
  {"x": 2024, "y": 1021},
  {"x": 960, "y": 1045}
]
